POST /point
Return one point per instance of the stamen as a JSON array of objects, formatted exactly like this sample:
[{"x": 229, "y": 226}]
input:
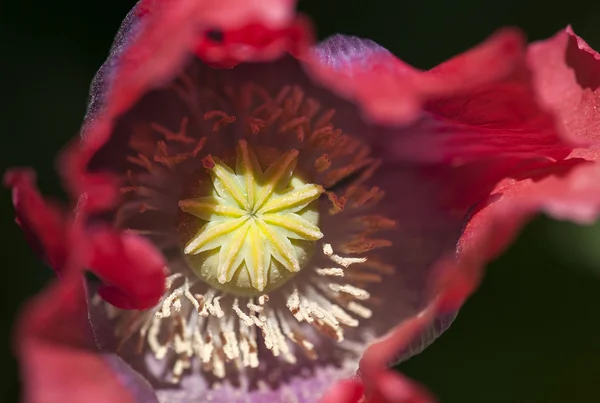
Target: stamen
[
  {"x": 255, "y": 308},
  {"x": 162, "y": 156},
  {"x": 230, "y": 342},
  {"x": 363, "y": 245},
  {"x": 359, "y": 309},
  {"x": 334, "y": 176},
  {"x": 199, "y": 146},
  {"x": 180, "y": 136},
  {"x": 343, "y": 317},
  {"x": 292, "y": 124},
  {"x": 322, "y": 163},
  {"x": 363, "y": 277},
  {"x": 159, "y": 350},
  {"x": 283, "y": 94},
  {"x": 230, "y": 333},
  {"x": 170, "y": 302},
  {"x": 307, "y": 346},
  {"x": 142, "y": 161},
  {"x": 256, "y": 125},
  {"x": 338, "y": 203},
  {"x": 224, "y": 119},
  {"x": 323, "y": 138},
  {"x": 208, "y": 162},
  {"x": 248, "y": 347},
  {"x": 143, "y": 191},
  {"x": 333, "y": 271},
  {"x": 325, "y": 118},
  {"x": 376, "y": 222},
  {"x": 343, "y": 261},
  {"x": 349, "y": 289},
  {"x": 247, "y": 320}
]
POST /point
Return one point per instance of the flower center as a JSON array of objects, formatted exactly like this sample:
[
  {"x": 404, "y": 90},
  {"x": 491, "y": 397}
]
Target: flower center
[
  {"x": 265, "y": 274},
  {"x": 259, "y": 227}
]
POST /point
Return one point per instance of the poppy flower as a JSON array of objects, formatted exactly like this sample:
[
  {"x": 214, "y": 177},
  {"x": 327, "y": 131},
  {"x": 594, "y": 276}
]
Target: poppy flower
[{"x": 261, "y": 213}]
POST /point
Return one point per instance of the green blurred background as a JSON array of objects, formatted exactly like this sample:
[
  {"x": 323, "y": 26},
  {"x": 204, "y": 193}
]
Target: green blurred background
[{"x": 531, "y": 332}]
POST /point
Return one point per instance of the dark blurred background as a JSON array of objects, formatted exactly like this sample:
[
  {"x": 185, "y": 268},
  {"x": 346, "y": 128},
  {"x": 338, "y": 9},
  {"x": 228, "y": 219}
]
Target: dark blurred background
[{"x": 530, "y": 334}]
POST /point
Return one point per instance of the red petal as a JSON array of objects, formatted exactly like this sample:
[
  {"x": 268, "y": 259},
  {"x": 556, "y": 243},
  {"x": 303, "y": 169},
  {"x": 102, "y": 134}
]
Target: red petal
[
  {"x": 567, "y": 74},
  {"x": 227, "y": 13},
  {"x": 572, "y": 193},
  {"x": 389, "y": 387},
  {"x": 502, "y": 118},
  {"x": 58, "y": 360},
  {"x": 386, "y": 386},
  {"x": 118, "y": 259},
  {"x": 390, "y": 92},
  {"x": 130, "y": 266},
  {"x": 392, "y": 387},
  {"x": 253, "y": 42},
  {"x": 479, "y": 106},
  {"x": 43, "y": 223},
  {"x": 471, "y": 184}
]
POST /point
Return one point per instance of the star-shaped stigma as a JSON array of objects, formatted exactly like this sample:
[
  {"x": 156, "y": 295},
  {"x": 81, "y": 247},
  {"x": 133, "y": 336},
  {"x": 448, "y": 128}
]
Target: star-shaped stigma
[{"x": 254, "y": 216}]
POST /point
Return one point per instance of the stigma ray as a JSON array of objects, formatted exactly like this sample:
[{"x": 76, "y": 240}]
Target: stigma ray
[{"x": 251, "y": 218}]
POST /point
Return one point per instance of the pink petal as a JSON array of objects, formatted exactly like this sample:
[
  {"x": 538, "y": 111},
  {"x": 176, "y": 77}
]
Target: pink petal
[
  {"x": 392, "y": 387},
  {"x": 59, "y": 361},
  {"x": 567, "y": 75},
  {"x": 391, "y": 92},
  {"x": 383, "y": 385},
  {"x": 43, "y": 223},
  {"x": 130, "y": 266},
  {"x": 572, "y": 194},
  {"x": 346, "y": 391},
  {"x": 118, "y": 259}
]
